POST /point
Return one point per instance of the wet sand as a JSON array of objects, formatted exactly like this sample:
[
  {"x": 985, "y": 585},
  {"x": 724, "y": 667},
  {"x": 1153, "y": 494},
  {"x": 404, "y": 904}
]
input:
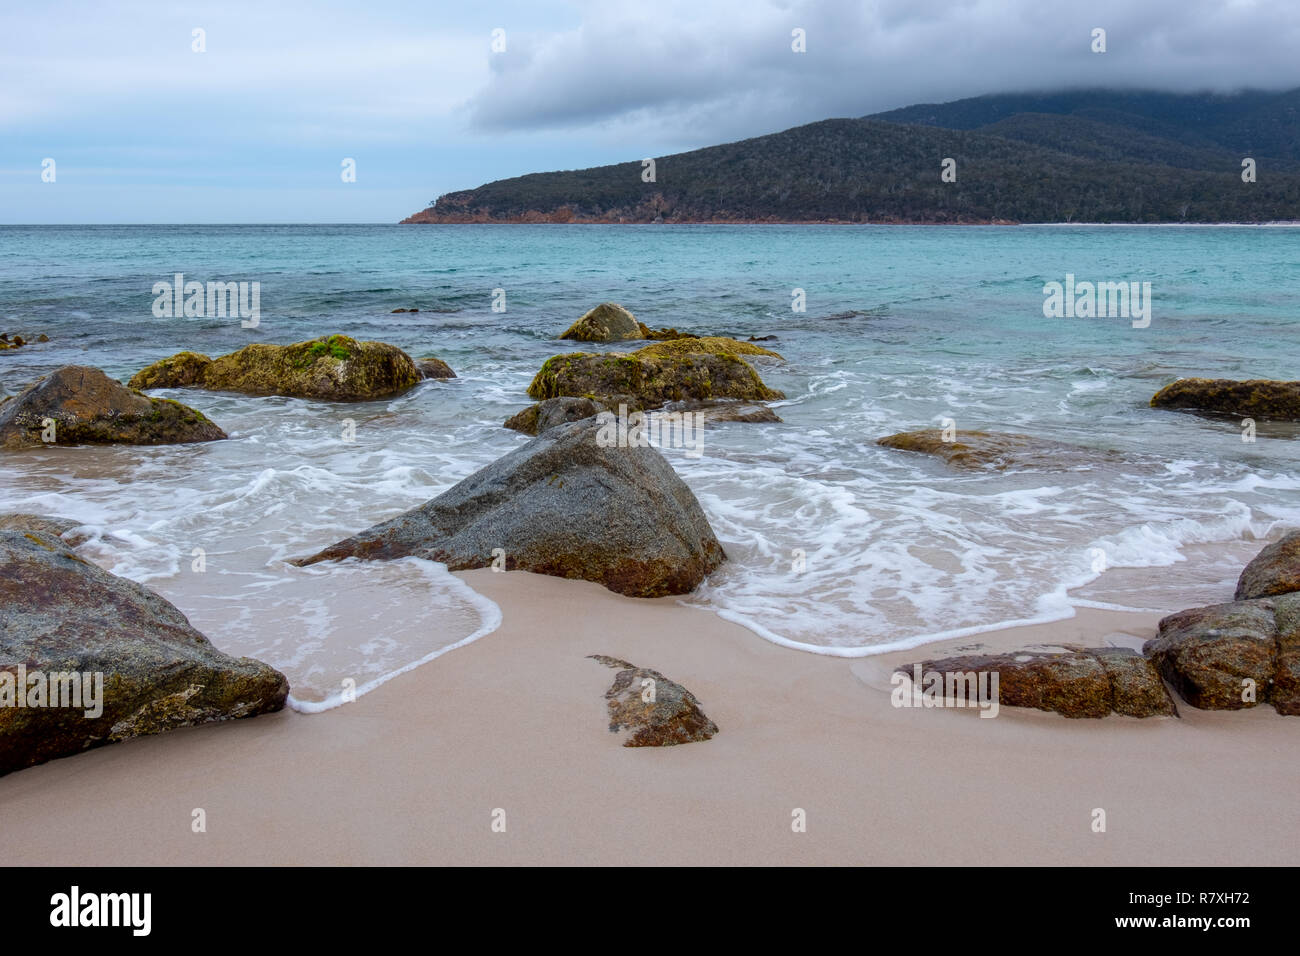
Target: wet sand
[{"x": 412, "y": 772}]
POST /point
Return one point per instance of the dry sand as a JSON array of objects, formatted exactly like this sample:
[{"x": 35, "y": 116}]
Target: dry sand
[{"x": 412, "y": 772}]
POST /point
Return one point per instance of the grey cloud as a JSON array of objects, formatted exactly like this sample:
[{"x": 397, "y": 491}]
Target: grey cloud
[{"x": 695, "y": 72}]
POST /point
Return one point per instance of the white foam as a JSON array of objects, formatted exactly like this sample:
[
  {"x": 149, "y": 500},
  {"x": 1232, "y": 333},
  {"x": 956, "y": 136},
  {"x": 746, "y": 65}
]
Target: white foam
[{"x": 489, "y": 618}]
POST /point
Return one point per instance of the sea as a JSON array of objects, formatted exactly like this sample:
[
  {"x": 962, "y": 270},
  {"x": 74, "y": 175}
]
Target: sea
[{"x": 836, "y": 545}]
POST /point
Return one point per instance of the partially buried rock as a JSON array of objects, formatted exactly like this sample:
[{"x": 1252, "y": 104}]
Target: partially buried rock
[
  {"x": 434, "y": 368},
  {"x": 1255, "y": 398},
  {"x": 656, "y": 711},
  {"x": 680, "y": 370},
  {"x": 81, "y": 405},
  {"x": 95, "y": 658},
  {"x": 543, "y": 416},
  {"x": 1275, "y": 570},
  {"x": 1081, "y": 682},
  {"x": 994, "y": 450},
  {"x": 333, "y": 368},
  {"x": 607, "y": 322},
  {"x": 1233, "y": 656},
  {"x": 562, "y": 505}
]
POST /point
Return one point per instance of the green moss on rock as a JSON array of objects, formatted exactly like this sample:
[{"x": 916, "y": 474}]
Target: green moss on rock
[{"x": 332, "y": 368}]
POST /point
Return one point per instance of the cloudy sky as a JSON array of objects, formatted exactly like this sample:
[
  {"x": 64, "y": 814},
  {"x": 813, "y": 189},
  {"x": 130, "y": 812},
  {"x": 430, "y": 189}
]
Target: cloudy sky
[{"x": 256, "y": 127}]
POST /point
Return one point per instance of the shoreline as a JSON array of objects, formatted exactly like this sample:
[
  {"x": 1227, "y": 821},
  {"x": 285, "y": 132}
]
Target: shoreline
[
  {"x": 411, "y": 772},
  {"x": 522, "y": 221}
]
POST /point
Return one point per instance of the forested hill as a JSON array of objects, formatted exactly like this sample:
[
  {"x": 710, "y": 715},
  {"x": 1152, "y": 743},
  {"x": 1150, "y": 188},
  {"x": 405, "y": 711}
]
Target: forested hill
[{"x": 1083, "y": 156}]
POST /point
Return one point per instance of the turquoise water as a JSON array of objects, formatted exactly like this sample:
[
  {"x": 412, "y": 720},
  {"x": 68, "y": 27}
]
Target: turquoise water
[{"x": 904, "y": 327}]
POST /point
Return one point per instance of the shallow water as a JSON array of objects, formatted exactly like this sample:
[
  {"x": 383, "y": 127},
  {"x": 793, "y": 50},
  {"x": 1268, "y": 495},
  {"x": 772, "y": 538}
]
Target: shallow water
[{"x": 905, "y": 326}]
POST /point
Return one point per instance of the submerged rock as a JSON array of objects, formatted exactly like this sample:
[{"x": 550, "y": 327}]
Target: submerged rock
[
  {"x": 89, "y": 408},
  {"x": 138, "y": 661},
  {"x": 997, "y": 450},
  {"x": 543, "y": 416},
  {"x": 1233, "y": 656},
  {"x": 607, "y": 322},
  {"x": 725, "y": 411},
  {"x": 1082, "y": 682},
  {"x": 432, "y": 367},
  {"x": 1275, "y": 570},
  {"x": 560, "y": 505},
  {"x": 332, "y": 368},
  {"x": 1255, "y": 398},
  {"x": 656, "y": 711},
  {"x": 651, "y": 377}
]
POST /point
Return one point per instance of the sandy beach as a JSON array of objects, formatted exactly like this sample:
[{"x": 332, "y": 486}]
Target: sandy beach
[{"x": 412, "y": 772}]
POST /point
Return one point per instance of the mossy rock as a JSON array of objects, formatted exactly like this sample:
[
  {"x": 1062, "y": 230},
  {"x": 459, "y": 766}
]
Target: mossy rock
[
  {"x": 648, "y": 379},
  {"x": 1254, "y": 398},
  {"x": 333, "y": 368},
  {"x": 607, "y": 322},
  {"x": 710, "y": 344},
  {"x": 182, "y": 370}
]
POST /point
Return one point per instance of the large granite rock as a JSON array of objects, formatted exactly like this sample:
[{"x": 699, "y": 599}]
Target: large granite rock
[
  {"x": 1255, "y": 398},
  {"x": 653, "y": 710},
  {"x": 60, "y": 615},
  {"x": 1275, "y": 570},
  {"x": 607, "y": 322},
  {"x": 995, "y": 450},
  {"x": 89, "y": 408},
  {"x": 332, "y": 368},
  {"x": 560, "y": 505},
  {"x": 1081, "y": 682},
  {"x": 650, "y": 378},
  {"x": 1212, "y": 655}
]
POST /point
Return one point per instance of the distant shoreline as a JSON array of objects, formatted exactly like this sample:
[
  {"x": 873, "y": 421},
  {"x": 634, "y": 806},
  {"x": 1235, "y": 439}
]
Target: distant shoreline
[{"x": 520, "y": 221}]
